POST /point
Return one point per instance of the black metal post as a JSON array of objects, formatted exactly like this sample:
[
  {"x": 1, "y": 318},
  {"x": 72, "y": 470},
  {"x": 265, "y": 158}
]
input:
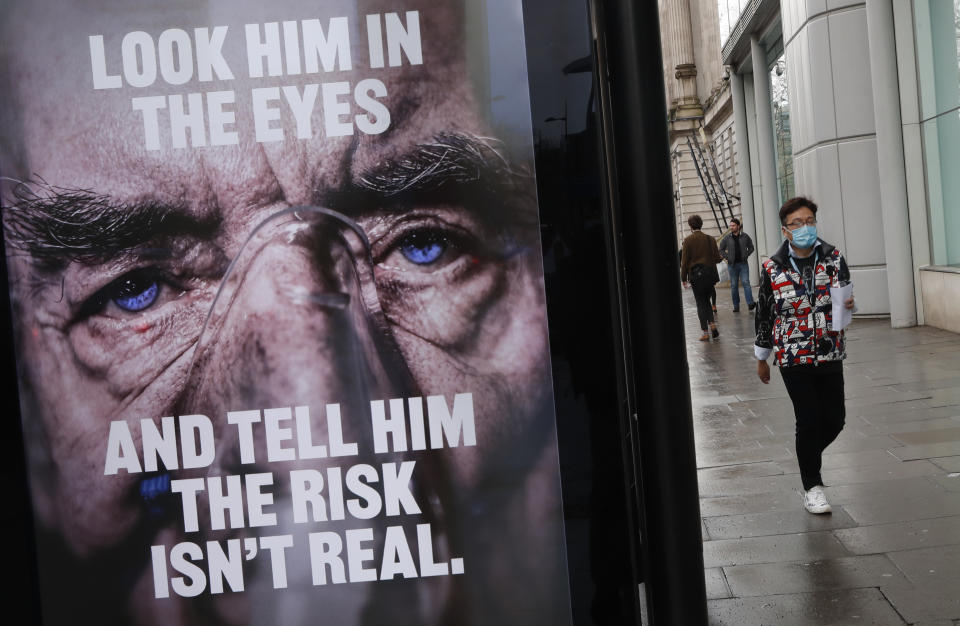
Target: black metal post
[{"x": 635, "y": 127}]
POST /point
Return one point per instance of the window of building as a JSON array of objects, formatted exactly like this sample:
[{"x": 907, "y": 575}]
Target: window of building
[
  {"x": 729, "y": 13},
  {"x": 937, "y": 24},
  {"x": 783, "y": 146}
]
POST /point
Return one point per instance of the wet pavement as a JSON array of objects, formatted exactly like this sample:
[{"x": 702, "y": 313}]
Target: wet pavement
[{"x": 890, "y": 551}]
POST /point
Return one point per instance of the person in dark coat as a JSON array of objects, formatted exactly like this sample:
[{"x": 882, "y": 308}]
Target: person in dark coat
[
  {"x": 735, "y": 247},
  {"x": 698, "y": 259}
]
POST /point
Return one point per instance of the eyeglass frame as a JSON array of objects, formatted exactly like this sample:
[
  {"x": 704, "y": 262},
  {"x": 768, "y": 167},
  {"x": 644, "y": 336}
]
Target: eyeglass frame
[{"x": 810, "y": 221}]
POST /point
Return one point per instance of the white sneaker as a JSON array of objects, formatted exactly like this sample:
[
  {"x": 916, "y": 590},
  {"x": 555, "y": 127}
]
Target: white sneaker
[{"x": 815, "y": 501}]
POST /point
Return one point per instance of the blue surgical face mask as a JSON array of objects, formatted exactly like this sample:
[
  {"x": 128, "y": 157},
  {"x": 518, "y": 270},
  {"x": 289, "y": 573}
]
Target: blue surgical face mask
[{"x": 804, "y": 237}]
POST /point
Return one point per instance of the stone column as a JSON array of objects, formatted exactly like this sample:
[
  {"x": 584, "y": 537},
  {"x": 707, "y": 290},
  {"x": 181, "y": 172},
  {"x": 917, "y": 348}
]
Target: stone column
[
  {"x": 681, "y": 43},
  {"x": 893, "y": 176},
  {"x": 769, "y": 200},
  {"x": 741, "y": 134}
]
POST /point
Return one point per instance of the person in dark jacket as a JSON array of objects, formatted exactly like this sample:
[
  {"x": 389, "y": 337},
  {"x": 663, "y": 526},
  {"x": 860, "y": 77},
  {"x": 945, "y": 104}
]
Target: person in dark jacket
[
  {"x": 698, "y": 259},
  {"x": 735, "y": 247},
  {"x": 794, "y": 321}
]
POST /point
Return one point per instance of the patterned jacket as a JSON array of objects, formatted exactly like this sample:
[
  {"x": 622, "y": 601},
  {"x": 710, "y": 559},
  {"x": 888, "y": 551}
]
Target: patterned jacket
[{"x": 799, "y": 332}]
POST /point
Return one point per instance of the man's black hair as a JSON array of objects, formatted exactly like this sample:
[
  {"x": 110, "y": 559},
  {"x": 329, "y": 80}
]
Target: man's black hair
[{"x": 795, "y": 204}]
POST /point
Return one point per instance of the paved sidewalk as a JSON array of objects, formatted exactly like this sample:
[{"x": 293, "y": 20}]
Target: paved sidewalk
[{"x": 890, "y": 551}]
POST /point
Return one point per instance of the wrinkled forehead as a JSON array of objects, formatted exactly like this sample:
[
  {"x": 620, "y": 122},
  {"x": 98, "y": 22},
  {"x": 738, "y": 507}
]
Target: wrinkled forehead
[{"x": 238, "y": 100}]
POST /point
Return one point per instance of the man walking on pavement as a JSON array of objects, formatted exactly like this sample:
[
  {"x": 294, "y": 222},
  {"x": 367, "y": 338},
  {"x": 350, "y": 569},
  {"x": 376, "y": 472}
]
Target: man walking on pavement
[
  {"x": 795, "y": 323},
  {"x": 735, "y": 248}
]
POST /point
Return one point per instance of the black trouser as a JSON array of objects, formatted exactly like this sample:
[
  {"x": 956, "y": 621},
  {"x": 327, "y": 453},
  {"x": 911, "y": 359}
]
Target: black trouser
[
  {"x": 817, "y": 395},
  {"x": 701, "y": 293}
]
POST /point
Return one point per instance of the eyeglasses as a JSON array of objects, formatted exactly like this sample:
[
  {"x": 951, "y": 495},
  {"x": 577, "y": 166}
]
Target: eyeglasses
[{"x": 794, "y": 225}]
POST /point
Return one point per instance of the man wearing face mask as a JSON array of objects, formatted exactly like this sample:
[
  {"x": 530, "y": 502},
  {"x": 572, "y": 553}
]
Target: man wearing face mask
[{"x": 794, "y": 322}]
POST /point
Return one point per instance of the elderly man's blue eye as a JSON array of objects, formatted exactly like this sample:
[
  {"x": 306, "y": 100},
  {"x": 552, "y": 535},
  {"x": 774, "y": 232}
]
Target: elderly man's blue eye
[
  {"x": 423, "y": 248},
  {"x": 136, "y": 294}
]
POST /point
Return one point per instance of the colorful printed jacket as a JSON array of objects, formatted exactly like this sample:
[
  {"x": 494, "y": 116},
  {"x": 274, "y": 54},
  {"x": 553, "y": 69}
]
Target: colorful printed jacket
[{"x": 797, "y": 332}]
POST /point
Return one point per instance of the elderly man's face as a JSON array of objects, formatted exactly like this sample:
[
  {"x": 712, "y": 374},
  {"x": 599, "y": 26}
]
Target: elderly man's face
[{"x": 118, "y": 253}]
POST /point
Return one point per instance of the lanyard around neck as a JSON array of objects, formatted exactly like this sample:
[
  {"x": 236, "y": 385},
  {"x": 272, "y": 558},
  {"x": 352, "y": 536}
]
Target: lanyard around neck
[{"x": 816, "y": 259}]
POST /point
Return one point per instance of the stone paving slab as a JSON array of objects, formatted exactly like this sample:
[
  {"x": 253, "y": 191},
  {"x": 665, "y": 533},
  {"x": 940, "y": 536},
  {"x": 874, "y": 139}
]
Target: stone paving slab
[
  {"x": 927, "y": 451},
  {"x": 945, "y": 397},
  {"x": 906, "y": 374},
  {"x": 851, "y": 572},
  {"x": 771, "y": 549},
  {"x": 920, "y": 487},
  {"x": 928, "y": 436},
  {"x": 943, "y": 531},
  {"x": 743, "y": 470},
  {"x": 894, "y": 408},
  {"x": 930, "y": 566},
  {"x": 754, "y": 503},
  {"x": 733, "y": 438},
  {"x": 924, "y": 604},
  {"x": 767, "y": 406},
  {"x": 712, "y": 458},
  {"x": 950, "y": 482},
  {"x": 936, "y": 423},
  {"x": 893, "y": 478},
  {"x": 873, "y": 473},
  {"x": 717, "y": 586},
  {"x": 886, "y": 393},
  {"x": 870, "y": 398},
  {"x": 782, "y": 484},
  {"x": 848, "y": 442},
  {"x": 948, "y": 463},
  {"x": 777, "y": 499},
  {"x": 778, "y": 425},
  {"x": 896, "y": 417},
  {"x": 739, "y": 438},
  {"x": 826, "y": 608},
  {"x": 795, "y": 520},
  {"x": 947, "y": 382},
  {"x": 905, "y": 508},
  {"x": 835, "y": 458}
]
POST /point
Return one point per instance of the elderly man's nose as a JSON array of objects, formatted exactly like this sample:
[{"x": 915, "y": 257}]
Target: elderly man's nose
[{"x": 292, "y": 326}]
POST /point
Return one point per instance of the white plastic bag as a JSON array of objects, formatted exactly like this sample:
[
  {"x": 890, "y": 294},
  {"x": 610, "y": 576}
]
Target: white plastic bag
[{"x": 722, "y": 271}]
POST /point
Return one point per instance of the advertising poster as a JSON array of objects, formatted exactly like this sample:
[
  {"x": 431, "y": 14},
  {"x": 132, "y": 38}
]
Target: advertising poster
[{"x": 278, "y": 305}]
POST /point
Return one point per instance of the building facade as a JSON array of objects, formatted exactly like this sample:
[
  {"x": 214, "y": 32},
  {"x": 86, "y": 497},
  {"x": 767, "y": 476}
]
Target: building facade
[
  {"x": 856, "y": 105},
  {"x": 700, "y": 109}
]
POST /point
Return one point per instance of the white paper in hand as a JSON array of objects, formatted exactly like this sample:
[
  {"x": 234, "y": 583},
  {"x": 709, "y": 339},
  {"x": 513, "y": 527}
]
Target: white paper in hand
[{"x": 842, "y": 316}]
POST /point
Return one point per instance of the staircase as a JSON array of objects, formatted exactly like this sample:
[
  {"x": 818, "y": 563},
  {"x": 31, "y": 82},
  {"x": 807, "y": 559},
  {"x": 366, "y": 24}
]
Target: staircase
[{"x": 721, "y": 201}]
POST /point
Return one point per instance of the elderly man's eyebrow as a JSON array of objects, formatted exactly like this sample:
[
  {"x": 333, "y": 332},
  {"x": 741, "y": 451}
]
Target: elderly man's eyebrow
[
  {"x": 454, "y": 168},
  {"x": 55, "y": 225}
]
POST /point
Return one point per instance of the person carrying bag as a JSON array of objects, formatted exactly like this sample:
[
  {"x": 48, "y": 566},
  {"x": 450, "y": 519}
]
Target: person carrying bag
[{"x": 698, "y": 266}]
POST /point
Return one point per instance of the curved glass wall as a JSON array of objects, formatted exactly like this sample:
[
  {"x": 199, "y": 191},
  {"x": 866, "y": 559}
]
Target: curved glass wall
[
  {"x": 937, "y": 24},
  {"x": 780, "y": 109}
]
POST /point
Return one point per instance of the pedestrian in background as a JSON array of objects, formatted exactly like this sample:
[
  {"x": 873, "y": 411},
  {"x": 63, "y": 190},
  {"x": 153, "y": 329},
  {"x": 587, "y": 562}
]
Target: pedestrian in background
[
  {"x": 735, "y": 247},
  {"x": 698, "y": 266},
  {"x": 794, "y": 321}
]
